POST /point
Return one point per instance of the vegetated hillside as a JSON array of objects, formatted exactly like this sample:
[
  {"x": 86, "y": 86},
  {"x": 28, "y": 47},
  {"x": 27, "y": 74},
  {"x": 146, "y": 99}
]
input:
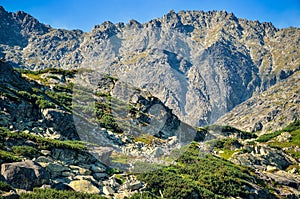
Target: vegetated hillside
[
  {"x": 200, "y": 64},
  {"x": 269, "y": 111},
  {"x": 119, "y": 133}
]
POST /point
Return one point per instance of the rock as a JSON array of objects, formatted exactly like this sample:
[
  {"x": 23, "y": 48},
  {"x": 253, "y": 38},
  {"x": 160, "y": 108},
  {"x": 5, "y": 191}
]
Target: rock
[
  {"x": 98, "y": 168},
  {"x": 84, "y": 186},
  {"x": 67, "y": 174},
  {"x": 271, "y": 168},
  {"x": 284, "y": 178},
  {"x": 61, "y": 186},
  {"x": 56, "y": 169},
  {"x": 9, "y": 195},
  {"x": 44, "y": 159},
  {"x": 135, "y": 185},
  {"x": 100, "y": 176},
  {"x": 61, "y": 121},
  {"x": 108, "y": 191},
  {"x": 24, "y": 175},
  {"x": 157, "y": 152},
  {"x": 46, "y": 152}
]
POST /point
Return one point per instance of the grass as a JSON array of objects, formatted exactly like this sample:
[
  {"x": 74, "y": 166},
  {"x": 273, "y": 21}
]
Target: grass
[
  {"x": 145, "y": 138},
  {"x": 269, "y": 136},
  {"x": 8, "y": 156}
]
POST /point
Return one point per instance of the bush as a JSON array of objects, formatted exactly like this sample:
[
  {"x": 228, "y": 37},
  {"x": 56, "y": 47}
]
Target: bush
[
  {"x": 8, "y": 156},
  {"x": 107, "y": 121},
  {"x": 4, "y": 186},
  {"x": 195, "y": 176},
  {"x": 26, "y": 151},
  {"x": 57, "y": 194}
]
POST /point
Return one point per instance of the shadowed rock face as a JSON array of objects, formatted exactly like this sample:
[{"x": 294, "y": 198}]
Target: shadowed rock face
[
  {"x": 25, "y": 175},
  {"x": 200, "y": 64}
]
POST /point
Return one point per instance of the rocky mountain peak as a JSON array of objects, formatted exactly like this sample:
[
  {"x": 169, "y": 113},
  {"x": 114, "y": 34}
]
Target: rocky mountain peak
[{"x": 134, "y": 24}]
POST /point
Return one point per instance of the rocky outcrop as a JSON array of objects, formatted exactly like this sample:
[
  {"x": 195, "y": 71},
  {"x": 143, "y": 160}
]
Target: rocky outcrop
[
  {"x": 61, "y": 122},
  {"x": 25, "y": 175}
]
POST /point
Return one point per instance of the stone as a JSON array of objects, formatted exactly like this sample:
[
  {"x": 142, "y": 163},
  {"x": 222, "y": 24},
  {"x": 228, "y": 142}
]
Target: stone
[
  {"x": 44, "y": 159},
  {"x": 56, "y": 169},
  {"x": 25, "y": 175},
  {"x": 135, "y": 185},
  {"x": 108, "y": 191},
  {"x": 10, "y": 195},
  {"x": 98, "y": 168},
  {"x": 100, "y": 176},
  {"x": 61, "y": 121},
  {"x": 46, "y": 152},
  {"x": 84, "y": 186}
]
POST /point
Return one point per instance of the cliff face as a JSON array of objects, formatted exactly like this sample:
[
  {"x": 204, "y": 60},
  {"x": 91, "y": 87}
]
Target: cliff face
[{"x": 200, "y": 64}]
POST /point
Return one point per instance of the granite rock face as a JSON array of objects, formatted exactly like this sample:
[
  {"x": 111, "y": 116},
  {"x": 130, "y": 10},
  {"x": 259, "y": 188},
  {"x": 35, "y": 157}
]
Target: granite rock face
[
  {"x": 200, "y": 64},
  {"x": 25, "y": 175}
]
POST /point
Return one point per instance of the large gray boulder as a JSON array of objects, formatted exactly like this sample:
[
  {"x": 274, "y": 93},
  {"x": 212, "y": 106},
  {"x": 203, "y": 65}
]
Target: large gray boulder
[{"x": 24, "y": 175}]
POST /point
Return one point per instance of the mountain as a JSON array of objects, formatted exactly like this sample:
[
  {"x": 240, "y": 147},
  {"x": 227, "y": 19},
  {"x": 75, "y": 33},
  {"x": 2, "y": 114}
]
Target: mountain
[
  {"x": 200, "y": 64},
  {"x": 190, "y": 105}
]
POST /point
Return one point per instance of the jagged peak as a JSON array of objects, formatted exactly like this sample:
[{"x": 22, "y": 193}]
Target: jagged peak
[
  {"x": 134, "y": 24},
  {"x": 2, "y": 9},
  {"x": 104, "y": 26}
]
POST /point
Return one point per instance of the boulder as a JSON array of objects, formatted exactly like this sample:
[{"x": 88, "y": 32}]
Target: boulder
[
  {"x": 25, "y": 175},
  {"x": 56, "y": 169},
  {"x": 84, "y": 186},
  {"x": 108, "y": 191}
]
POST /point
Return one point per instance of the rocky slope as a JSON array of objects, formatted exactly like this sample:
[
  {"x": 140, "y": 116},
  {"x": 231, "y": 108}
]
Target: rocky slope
[
  {"x": 200, "y": 64},
  {"x": 269, "y": 111}
]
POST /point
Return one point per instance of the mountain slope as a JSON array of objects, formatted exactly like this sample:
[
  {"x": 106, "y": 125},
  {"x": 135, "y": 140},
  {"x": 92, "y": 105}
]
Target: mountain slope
[{"x": 270, "y": 110}]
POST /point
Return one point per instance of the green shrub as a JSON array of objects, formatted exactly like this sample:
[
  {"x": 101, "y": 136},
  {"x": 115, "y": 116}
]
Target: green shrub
[
  {"x": 45, "y": 143},
  {"x": 108, "y": 121},
  {"x": 198, "y": 176},
  {"x": 26, "y": 151},
  {"x": 4, "y": 186},
  {"x": 8, "y": 156},
  {"x": 57, "y": 194},
  {"x": 43, "y": 104},
  {"x": 269, "y": 136}
]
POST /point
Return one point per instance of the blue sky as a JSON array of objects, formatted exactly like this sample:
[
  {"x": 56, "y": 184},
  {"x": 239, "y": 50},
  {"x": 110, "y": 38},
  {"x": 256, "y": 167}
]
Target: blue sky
[{"x": 84, "y": 14}]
